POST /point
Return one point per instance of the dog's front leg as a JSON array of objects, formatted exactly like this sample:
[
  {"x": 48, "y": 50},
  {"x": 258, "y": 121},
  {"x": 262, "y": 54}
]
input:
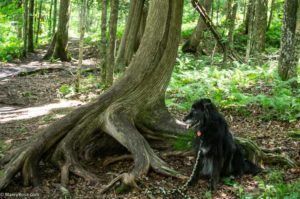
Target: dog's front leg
[{"x": 215, "y": 174}]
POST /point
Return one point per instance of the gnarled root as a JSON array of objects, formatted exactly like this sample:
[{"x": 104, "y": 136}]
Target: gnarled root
[{"x": 256, "y": 154}]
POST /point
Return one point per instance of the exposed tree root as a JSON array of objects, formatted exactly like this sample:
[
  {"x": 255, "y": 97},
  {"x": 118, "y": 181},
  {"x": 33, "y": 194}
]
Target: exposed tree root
[{"x": 256, "y": 154}]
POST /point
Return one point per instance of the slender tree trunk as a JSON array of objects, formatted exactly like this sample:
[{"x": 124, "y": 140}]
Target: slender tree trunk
[
  {"x": 30, "y": 26},
  {"x": 129, "y": 39},
  {"x": 59, "y": 43},
  {"x": 103, "y": 43},
  {"x": 25, "y": 31},
  {"x": 50, "y": 18},
  {"x": 130, "y": 111},
  {"x": 290, "y": 41},
  {"x": 260, "y": 25},
  {"x": 231, "y": 25},
  {"x": 191, "y": 45},
  {"x": 82, "y": 17},
  {"x": 271, "y": 14},
  {"x": 113, "y": 21},
  {"x": 39, "y": 22},
  {"x": 19, "y": 19},
  {"x": 54, "y": 16},
  {"x": 250, "y": 27}
]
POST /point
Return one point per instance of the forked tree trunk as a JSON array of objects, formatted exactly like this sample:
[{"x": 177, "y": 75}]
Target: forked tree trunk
[
  {"x": 30, "y": 26},
  {"x": 129, "y": 39},
  {"x": 290, "y": 41},
  {"x": 191, "y": 45},
  {"x": 59, "y": 43},
  {"x": 131, "y": 110}
]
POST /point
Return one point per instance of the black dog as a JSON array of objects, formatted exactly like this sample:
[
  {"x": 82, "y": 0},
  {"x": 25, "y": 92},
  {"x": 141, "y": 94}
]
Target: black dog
[{"x": 218, "y": 154}]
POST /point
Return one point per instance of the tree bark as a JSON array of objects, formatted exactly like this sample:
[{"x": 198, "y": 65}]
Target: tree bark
[
  {"x": 290, "y": 41},
  {"x": 271, "y": 14},
  {"x": 260, "y": 25},
  {"x": 25, "y": 31},
  {"x": 54, "y": 16},
  {"x": 129, "y": 39},
  {"x": 113, "y": 21},
  {"x": 191, "y": 45},
  {"x": 59, "y": 43},
  {"x": 39, "y": 22},
  {"x": 50, "y": 17},
  {"x": 30, "y": 26},
  {"x": 103, "y": 42},
  {"x": 132, "y": 108},
  {"x": 81, "y": 42}
]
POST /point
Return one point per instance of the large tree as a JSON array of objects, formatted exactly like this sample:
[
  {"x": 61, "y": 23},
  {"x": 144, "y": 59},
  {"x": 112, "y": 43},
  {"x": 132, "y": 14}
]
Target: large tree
[
  {"x": 290, "y": 41},
  {"x": 132, "y": 112},
  {"x": 59, "y": 43}
]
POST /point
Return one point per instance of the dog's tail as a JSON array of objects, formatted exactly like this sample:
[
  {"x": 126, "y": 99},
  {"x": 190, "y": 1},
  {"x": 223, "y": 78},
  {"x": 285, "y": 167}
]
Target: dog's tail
[{"x": 251, "y": 168}]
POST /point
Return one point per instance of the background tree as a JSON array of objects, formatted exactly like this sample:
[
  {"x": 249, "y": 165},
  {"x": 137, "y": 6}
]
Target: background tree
[
  {"x": 103, "y": 40},
  {"x": 59, "y": 43},
  {"x": 191, "y": 45},
  {"x": 82, "y": 17},
  {"x": 290, "y": 41},
  {"x": 25, "y": 31},
  {"x": 30, "y": 26},
  {"x": 113, "y": 21}
]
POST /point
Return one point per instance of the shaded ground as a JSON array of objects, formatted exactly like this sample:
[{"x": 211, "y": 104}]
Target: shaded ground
[{"x": 41, "y": 88}]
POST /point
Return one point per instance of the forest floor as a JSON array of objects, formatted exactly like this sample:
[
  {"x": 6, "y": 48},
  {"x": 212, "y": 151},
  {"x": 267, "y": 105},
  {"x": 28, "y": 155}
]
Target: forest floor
[{"x": 30, "y": 102}]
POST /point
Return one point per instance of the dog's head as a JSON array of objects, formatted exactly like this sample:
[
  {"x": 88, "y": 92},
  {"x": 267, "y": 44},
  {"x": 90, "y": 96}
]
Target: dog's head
[{"x": 199, "y": 114}]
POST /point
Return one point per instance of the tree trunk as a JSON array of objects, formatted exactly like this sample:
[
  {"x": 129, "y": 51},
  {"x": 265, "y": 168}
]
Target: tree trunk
[
  {"x": 130, "y": 111},
  {"x": 50, "y": 17},
  {"x": 30, "y": 26},
  {"x": 260, "y": 25},
  {"x": 54, "y": 16},
  {"x": 39, "y": 23},
  {"x": 129, "y": 39},
  {"x": 59, "y": 43},
  {"x": 231, "y": 24},
  {"x": 250, "y": 30},
  {"x": 81, "y": 42},
  {"x": 103, "y": 43},
  {"x": 25, "y": 31},
  {"x": 191, "y": 45},
  {"x": 113, "y": 21},
  {"x": 19, "y": 19},
  {"x": 290, "y": 41},
  {"x": 271, "y": 14}
]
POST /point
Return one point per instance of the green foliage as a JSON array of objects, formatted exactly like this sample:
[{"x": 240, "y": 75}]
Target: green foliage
[
  {"x": 240, "y": 87},
  {"x": 184, "y": 142},
  {"x": 274, "y": 34},
  {"x": 66, "y": 90}
]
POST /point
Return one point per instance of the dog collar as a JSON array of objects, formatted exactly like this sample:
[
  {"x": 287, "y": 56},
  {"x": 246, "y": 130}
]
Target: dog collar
[{"x": 199, "y": 133}]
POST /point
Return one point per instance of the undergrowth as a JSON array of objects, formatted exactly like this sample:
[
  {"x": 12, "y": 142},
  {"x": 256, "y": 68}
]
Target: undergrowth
[{"x": 243, "y": 88}]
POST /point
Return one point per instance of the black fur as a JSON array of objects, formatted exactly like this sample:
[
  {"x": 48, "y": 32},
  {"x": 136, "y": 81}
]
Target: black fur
[{"x": 219, "y": 155}]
